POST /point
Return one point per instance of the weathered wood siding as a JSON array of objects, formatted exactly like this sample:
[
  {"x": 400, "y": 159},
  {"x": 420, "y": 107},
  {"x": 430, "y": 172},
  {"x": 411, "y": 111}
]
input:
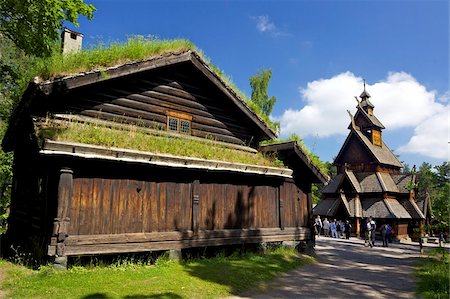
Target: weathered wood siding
[
  {"x": 145, "y": 99},
  {"x": 120, "y": 205},
  {"x": 115, "y": 206}
]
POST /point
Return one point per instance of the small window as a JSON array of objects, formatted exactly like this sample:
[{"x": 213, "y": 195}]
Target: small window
[
  {"x": 185, "y": 126},
  {"x": 179, "y": 122},
  {"x": 172, "y": 124},
  {"x": 73, "y": 36}
]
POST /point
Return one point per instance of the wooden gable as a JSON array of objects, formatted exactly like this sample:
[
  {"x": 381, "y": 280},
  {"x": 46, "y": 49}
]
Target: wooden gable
[
  {"x": 182, "y": 96},
  {"x": 354, "y": 153}
]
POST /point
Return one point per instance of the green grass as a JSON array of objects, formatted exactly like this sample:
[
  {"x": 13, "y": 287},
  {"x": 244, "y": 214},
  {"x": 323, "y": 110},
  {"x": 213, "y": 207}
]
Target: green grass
[
  {"x": 132, "y": 137},
  {"x": 102, "y": 56},
  {"x": 433, "y": 273},
  {"x": 312, "y": 157},
  {"x": 200, "y": 278},
  {"x": 135, "y": 49}
]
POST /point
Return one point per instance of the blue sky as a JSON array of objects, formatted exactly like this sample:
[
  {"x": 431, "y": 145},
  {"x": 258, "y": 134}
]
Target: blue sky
[{"x": 319, "y": 52}]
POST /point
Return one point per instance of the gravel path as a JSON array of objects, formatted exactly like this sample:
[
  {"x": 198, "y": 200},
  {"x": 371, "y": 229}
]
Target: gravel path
[{"x": 347, "y": 269}]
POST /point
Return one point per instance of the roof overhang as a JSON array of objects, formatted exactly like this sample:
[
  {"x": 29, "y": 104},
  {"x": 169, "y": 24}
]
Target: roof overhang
[
  {"x": 85, "y": 151},
  {"x": 294, "y": 157}
]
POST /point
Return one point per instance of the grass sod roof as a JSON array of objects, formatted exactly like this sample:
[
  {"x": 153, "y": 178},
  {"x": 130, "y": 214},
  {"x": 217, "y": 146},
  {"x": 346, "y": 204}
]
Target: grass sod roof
[
  {"x": 277, "y": 147},
  {"x": 101, "y": 59},
  {"x": 136, "y": 138}
]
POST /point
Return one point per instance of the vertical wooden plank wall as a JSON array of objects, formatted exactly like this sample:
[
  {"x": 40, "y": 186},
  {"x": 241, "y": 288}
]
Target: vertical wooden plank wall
[{"x": 114, "y": 206}]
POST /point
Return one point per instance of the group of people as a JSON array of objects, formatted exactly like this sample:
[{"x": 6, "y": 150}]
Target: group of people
[
  {"x": 334, "y": 228},
  {"x": 339, "y": 229},
  {"x": 386, "y": 230}
]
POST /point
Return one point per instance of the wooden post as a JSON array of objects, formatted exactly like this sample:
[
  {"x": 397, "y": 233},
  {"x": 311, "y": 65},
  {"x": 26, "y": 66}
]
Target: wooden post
[
  {"x": 358, "y": 227},
  {"x": 422, "y": 228},
  {"x": 280, "y": 208},
  {"x": 60, "y": 224},
  {"x": 195, "y": 206}
]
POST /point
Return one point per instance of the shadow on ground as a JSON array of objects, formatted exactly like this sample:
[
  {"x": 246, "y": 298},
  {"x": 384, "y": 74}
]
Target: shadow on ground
[
  {"x": 239, "y": 273},
  {"x": 167, "y": 295},
  {"x": 347, "y": 269}
]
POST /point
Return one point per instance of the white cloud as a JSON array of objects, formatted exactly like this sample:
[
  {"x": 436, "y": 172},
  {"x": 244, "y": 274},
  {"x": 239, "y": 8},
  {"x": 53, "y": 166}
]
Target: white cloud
[
  {"x": 431, "y": 138},
  {"x": 264, "y": 25},
  {"x": 400, "y": 102},
  {"x": 444, "y": 98},
  {"x": 325, "y": 111}
]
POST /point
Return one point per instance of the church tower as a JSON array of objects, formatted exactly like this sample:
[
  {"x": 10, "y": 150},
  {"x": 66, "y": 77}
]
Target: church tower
[{"x": 369, "y": 181}]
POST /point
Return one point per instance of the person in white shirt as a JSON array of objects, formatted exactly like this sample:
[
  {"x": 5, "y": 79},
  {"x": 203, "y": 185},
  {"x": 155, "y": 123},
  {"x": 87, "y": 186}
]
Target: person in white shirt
[
  {"x": 318, "y": 225},
  {"x": 326, "y": 227},
  {"x": 371, "y": 227}
]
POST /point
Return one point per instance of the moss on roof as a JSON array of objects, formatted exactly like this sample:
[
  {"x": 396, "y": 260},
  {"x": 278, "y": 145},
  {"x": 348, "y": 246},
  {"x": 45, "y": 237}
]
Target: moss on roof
[
  {"x": 136, "y": 138},
  {"x": 315, "y": 160},
  {"x": 134, "y": 49}
]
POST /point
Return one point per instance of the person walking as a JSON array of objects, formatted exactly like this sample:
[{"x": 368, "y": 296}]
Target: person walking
[
  {"x": 371, "y": 227},
  {"x": 347, "y": 227},
  {"x": 318, "y": 225},
  {"x": 383, "y": 230},
  {"x": 326, "y": 227},
  {"x": 342, "y": 227},
  {"x": 333, "y": 227},
  {"x": 389, "y": 233}
]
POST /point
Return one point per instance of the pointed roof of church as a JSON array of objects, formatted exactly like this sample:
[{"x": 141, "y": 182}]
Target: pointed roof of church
[
  {"x": 363, "y": 110},
  {"x": 382, "y": 155},
  {"x": 365, "y": 102}
]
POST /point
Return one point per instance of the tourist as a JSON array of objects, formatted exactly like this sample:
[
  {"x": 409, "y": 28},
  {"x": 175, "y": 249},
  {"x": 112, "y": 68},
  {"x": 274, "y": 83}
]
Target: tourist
[
  {"x": 326, "y": 227},
  {"x": 383, "y": 230},
  {"x": 318, "y": 225},
  {"x": 347, "y": 228},
  {"x": 389, "y": 233},
  {"x": 342, "y": 226},
  {"x": 333, "y": 227},
  {"x": 338, "y": 228},
  {"x": 371, "y": 227}
]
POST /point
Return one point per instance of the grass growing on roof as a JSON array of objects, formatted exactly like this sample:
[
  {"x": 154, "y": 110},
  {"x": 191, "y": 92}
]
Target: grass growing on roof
[
  {"x": 103, "y": 56},
  {"x": 133, "y": 137},
  {"x": 314, "y": 158},
  {"x": 134, "y": 49},
  {"x": 199, "y": 278}
]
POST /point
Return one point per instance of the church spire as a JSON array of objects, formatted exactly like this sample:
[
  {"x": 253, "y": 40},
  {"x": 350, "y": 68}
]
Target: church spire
[{"x": 365, "y": 102}]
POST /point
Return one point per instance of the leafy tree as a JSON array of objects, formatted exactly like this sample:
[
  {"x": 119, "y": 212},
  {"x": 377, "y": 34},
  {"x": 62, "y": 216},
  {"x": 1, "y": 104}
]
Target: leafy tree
[
  {"x": 259, "y": 84},
  {"x": 426, "y": 181},
  {"x": 28, "y": 29},
  {"x": 406, "y": 169},
  {"x": 33, "y": 25},
  {"x": 434, "y": 181}
]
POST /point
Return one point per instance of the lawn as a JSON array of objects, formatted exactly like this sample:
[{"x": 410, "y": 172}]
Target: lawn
[
  {"x": 197, "y": 278},
  {"x": 433, "y": 273}
]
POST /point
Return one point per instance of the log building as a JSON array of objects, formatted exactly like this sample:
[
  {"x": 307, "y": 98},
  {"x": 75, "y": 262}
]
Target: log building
[{"x": 77, "y": 198}]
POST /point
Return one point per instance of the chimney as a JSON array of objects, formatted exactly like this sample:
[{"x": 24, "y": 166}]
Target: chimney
[{"x": 71, "y": 41}]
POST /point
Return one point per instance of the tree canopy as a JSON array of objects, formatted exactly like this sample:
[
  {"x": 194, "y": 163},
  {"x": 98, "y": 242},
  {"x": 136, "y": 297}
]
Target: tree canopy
[
  {"x": 435, "y": 182},
  {"x": 28, "y": 29},
  {"x": 260, "y": 84},
  {"x": 34, "y": 25}
]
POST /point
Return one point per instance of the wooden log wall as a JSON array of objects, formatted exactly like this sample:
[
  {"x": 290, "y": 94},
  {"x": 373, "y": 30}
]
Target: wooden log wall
[{"x": 145, "y": 99}]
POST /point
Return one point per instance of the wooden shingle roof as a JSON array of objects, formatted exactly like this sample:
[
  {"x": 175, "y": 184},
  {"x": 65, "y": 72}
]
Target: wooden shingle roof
[{"x": 382, "y": 154}]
